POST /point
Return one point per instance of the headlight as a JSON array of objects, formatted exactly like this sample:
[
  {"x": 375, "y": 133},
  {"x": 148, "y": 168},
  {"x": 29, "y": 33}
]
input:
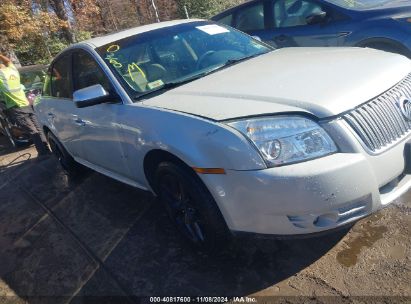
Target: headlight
[{"x": 286, "y": 139}]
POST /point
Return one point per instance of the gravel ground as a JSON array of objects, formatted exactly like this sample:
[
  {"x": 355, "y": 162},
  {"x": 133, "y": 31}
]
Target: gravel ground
[{"x": 96, "y": 240}]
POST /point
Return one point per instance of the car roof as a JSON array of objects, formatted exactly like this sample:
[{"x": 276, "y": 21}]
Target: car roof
[
  {"x": 32, "y": 68},
  {"x": 236, "y": 7},
  {"x": 103, "y": 40},
  {"x": 251, "y": 2}
]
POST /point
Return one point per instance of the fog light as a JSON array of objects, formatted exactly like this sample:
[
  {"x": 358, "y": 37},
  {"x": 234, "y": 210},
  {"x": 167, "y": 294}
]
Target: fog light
[{"x": 326, "y": 220}]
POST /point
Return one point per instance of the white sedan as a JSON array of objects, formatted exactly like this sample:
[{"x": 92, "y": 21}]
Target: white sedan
[{"x": 231, "y": 135}]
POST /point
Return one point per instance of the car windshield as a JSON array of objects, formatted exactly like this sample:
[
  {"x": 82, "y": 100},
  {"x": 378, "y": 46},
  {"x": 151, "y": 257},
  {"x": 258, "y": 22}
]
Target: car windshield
[
  {"x": 164, "y": 58},
  {"x": 360, "y": 4}
]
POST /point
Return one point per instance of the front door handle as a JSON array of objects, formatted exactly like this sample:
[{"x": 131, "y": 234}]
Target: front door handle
[
  {"x": 79, "y": 122},
  {"x": 51, "y": 115},
  {"x": 343, "y": 34}
]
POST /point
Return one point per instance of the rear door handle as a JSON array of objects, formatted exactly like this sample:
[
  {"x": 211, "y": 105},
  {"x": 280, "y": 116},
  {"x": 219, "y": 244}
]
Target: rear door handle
[
  {"x": 51, "y": 115},
  {"x": 280, "y": 38},
  {"x": 79, "y": 122},
  {"x": 343, "y": 34}
]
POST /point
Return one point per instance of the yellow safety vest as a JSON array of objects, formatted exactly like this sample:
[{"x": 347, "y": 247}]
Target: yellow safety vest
[{"x": 11, "y": 90}]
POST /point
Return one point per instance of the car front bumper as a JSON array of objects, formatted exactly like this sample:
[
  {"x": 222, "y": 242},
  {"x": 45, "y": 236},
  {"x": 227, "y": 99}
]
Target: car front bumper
[{"x": 310, "y": 197}]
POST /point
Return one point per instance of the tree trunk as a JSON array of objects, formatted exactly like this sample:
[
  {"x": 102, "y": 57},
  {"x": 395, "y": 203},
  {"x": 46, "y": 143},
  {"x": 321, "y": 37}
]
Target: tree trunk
[
  {"x": 14, "y": 58},
  {"x": 101, "y": 16},
  {"x": 8, "y": 51},
  {"x": 60, "y": 10},
  {"x": 153, "y": 4}
]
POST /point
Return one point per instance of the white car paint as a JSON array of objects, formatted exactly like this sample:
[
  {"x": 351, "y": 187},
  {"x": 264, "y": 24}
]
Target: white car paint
[
  {"x": 321, "y": 81},
  {"x": 188, "y": 122}
]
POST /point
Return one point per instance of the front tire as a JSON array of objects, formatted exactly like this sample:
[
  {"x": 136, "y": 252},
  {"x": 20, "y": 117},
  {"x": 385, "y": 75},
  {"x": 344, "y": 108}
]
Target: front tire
[{"x": 191, "y": 207}]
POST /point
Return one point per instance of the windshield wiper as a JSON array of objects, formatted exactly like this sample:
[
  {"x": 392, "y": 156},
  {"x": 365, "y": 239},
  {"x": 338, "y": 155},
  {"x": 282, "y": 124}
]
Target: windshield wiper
[
  {"x": 238, "y": 60},
  {"x": 172, "y": 85}
]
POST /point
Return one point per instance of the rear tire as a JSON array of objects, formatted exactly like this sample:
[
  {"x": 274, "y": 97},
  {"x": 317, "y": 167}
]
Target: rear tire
[
  {"x": 191, "y": 207},
  {"x": 69, "y": 165}
]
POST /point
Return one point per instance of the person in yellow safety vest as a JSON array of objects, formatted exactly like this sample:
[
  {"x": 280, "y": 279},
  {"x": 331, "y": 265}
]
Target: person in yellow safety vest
[{"x": 18, "y": 108}]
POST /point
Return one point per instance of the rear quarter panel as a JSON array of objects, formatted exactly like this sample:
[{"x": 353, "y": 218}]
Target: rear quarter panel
[{"x": 361, "y": 30}]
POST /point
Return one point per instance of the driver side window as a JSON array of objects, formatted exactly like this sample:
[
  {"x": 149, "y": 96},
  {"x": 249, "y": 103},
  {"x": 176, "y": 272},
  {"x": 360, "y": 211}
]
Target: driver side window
[
  {"x": 291, "y": 13},
  {"x": 61, "y": 86},
  {"x": 251, "y": 18},
  {"x": 87, "y": 72}
]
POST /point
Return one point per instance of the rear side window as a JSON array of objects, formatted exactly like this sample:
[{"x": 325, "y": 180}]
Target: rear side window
[
  {"x": 251, "y": 18},
  {"x": 291, "y": 13},
  {"x": 87, "y": 72},
  {"x": 228, "y": 20},
  {"x": 61, "y": 86}
]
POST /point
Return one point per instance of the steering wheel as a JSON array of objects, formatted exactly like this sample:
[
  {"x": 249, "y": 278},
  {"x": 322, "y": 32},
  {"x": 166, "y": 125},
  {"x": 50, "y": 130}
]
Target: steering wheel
[{"x": 202, "y": 58}]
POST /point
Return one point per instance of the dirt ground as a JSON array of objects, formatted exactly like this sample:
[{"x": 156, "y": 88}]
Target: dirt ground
[{"x": 96, "y": 240}]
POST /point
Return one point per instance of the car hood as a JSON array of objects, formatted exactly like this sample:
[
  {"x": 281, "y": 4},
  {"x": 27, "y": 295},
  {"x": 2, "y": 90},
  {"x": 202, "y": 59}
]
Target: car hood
[
  {"x": 395, "y": 4},
  {"x": 321, "y": 81}
]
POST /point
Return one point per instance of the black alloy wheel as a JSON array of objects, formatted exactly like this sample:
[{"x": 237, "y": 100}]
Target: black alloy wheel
[
  {"x": 181, "y": 207},
  {"x": 191, "y": 207}
]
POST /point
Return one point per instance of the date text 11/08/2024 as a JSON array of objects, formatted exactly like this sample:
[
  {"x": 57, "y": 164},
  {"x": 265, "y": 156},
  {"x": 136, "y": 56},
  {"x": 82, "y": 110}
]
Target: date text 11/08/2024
[{"x": 202, "y": 299}]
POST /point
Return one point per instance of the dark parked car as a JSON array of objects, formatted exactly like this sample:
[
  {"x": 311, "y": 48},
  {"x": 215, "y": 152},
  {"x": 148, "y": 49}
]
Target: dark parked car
[{"x": 381, "y": 24}]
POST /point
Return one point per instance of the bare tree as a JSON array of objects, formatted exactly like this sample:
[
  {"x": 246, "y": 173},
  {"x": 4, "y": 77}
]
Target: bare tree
[
  {"x": 154, "y": 6},
  {"x": 59, "y": 7},
  {"x": 7, "y": 50}
]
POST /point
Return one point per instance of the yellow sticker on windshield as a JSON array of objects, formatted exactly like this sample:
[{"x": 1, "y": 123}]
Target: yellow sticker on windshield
[{"x": 155, "y": 84}]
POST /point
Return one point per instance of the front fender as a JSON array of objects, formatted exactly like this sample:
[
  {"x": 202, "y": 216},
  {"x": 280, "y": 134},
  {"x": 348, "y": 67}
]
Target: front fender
[{"x": 196, "y": 141}]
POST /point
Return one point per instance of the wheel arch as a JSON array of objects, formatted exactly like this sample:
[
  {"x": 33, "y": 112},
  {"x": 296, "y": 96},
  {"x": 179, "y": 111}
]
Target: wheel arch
[
  {"x": 156, "y": 156},
  {"x": 397, "y": 45},
  {"x": 46, "y": 130}
]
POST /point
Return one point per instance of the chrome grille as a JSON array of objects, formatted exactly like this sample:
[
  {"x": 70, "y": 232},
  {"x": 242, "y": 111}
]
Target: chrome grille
[{"x": 380, "y": 122}]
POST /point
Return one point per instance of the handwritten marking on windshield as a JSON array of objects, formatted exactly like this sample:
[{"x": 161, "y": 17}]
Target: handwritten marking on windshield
[
  {"x": 111, "y": 50},
  {"x": 133, "y": 67}
]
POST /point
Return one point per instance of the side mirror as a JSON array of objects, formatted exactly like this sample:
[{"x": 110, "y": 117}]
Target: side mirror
[
  {"x": 316, "y": 18},
  {"x": 91, "y": 96}
]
